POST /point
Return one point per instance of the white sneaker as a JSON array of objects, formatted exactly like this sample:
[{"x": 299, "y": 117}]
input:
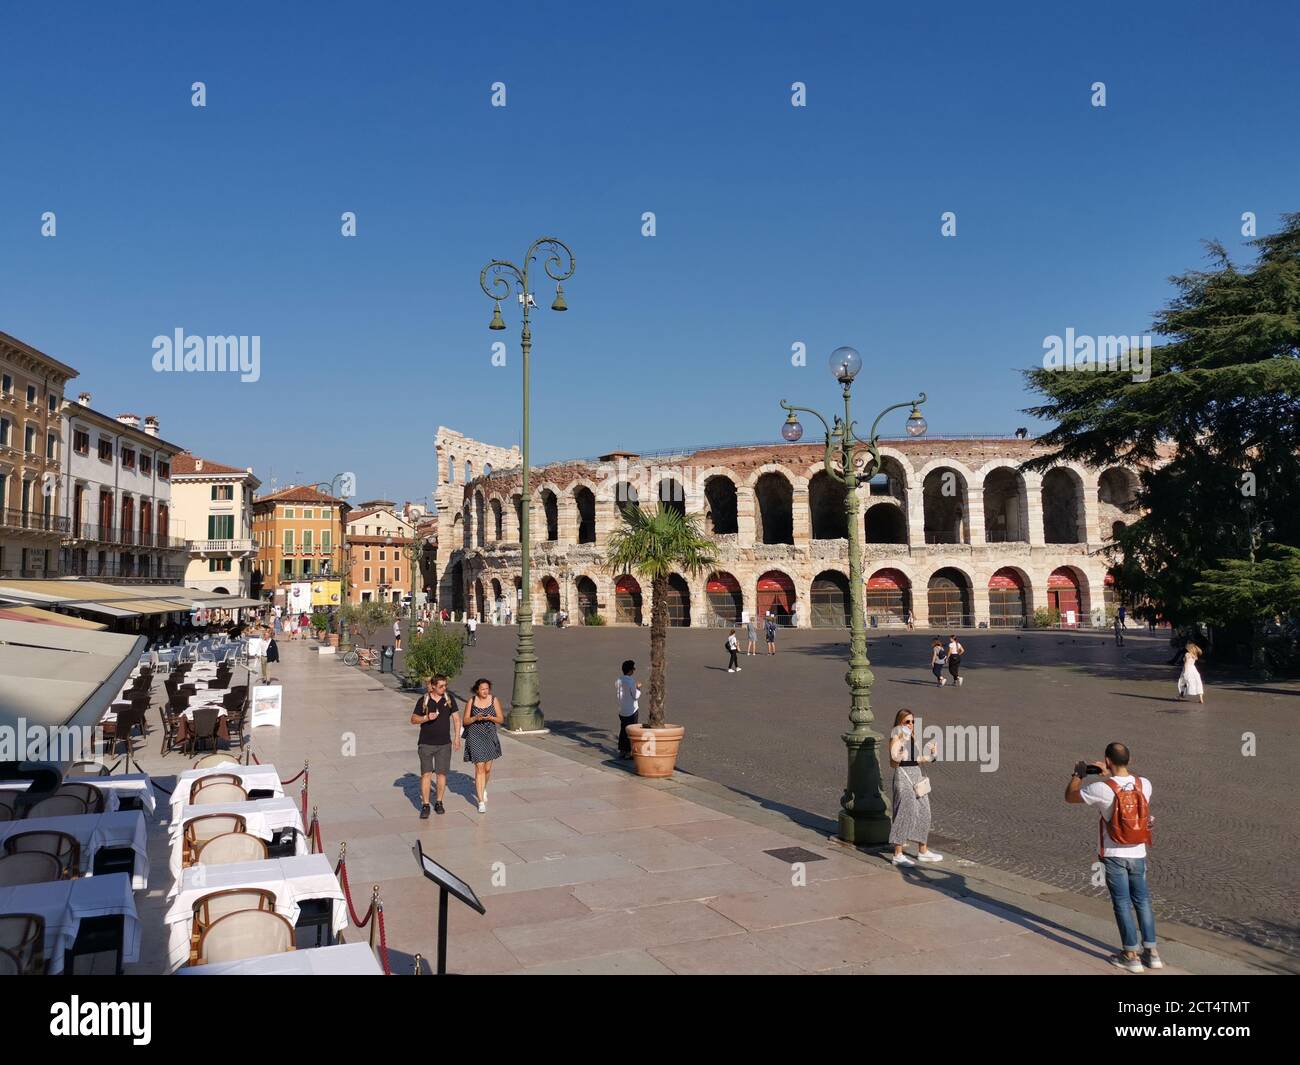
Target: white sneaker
[
  {"x": 929, "y": 856},
  {"x": 902, "y": 859},
  {"x": 482, "y": 807},
  {"x": 737, "y": 669},
  {"x": 731, "y": 671},
  {"x": 959, "y": 680},
  {"x": 1151, "y": 960}
]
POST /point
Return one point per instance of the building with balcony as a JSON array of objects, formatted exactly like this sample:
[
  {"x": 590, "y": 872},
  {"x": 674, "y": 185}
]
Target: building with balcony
[
  {"x": 117, "y": 498},
  {"x": 298, "y": 535},
  {"x": 953, "y": 531},
  {"x": 31, "y": 447},
  {"x": 379, "y": 541},
  {"x": 215, "y": 503}
]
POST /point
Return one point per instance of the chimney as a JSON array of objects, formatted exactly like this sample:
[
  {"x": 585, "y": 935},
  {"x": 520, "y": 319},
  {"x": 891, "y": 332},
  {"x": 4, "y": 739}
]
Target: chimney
[
  {"x": 198, "y": 465},
  {"x": 133, "y": 420},
  {"x": 84, "y": 399},
  {"x": 151, "y": 425}
]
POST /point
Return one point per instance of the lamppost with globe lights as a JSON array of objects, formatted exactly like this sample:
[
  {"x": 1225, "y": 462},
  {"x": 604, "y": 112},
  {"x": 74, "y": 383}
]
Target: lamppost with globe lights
[
  {"x": 345, "y": 557},
  {"x": 525, "y": 715},
  {"x": 853, "y": 461}
]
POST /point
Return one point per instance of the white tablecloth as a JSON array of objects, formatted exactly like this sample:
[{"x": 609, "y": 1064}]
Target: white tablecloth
[
  {"x": 93, "y": 831},
  {"x": 64, "y": 903},
  {"x": 308, "y": 876},
  {"x": 342, "y": 959},
  {"x": 261, "y": 777},
  {"x": 197, "y": 702},
  {"x": 262, "y": 818},
  {"x": 124, "y": 786}
]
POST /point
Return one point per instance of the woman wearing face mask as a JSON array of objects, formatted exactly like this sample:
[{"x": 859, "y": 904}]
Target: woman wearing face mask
[{"x": 911, "y": 791}]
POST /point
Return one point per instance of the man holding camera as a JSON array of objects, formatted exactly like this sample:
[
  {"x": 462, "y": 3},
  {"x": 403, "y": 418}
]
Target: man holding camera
[
  {"x": 439, "y": 720},
  {"x": 1123, "y": 802}
]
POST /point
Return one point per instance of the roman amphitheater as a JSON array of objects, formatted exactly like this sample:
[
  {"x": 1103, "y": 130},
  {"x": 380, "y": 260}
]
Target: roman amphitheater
[{"x": 953, "y": 532}]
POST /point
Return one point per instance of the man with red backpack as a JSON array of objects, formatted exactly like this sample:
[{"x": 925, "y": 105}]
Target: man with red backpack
[{"x": 1123, "y": 802}]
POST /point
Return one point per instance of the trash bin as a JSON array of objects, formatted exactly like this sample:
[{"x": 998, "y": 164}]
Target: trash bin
[{"x": 386, "y": 660}]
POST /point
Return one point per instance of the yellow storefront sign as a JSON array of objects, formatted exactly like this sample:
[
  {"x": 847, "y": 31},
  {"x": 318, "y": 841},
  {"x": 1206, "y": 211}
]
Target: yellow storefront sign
[{"x": 326, "y": 593}]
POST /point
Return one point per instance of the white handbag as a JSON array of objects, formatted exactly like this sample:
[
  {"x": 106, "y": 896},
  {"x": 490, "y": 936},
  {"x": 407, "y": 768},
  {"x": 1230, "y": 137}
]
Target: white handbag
[{"x": 922, "y": 787}]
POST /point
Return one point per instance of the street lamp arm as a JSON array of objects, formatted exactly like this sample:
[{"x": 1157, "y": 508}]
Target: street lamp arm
[
  {"x": 871, "y": 441},
  {"x": 559, "y": 264},
  {"x": 807, "y": 410},
  {"x": 500, "y": 286}
]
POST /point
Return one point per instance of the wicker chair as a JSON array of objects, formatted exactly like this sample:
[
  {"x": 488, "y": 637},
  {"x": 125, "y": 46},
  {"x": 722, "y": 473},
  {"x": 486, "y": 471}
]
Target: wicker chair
[
  {"x": 58, "y": 845},
  {"x": 29, "y": 867},
  {"x": 23, "y": 935},
  {"x": 88, "y": 769},
  {"x": 245, "y": 934},
  {"x": 219, "y": 758},
  {"x": 170, "y": 729},
  {"x": 211, "y": 908},
  {"x": 59, "y": 806},
  {"x": 215, "y": 794},
  {"x": 96, "y": 801},
  {"x": 203, "y": 728},
  {"x": 213, "y": 778},
  {"x": 199, "y": 830},
  {"x": 231, "y": 847}
]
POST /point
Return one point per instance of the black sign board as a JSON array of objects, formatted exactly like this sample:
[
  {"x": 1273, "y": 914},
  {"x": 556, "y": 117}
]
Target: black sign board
[{"x": 448, "y": 884}]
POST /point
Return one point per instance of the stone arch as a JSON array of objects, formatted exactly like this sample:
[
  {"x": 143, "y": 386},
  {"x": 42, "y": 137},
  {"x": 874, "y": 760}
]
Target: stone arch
[
  {"x": 826, "y": 507},
  {"x": 1069, "y": 589},
  {"x": 774, "y": 508},
  {"x": 586, "y": 597},
  {"x": 775, "y": 594},
  {"x": 888, "y": 597},
  {"x": 721, "y": 514},
  {"x": 679, "y": 601},
  {"x": 480, "y": 519},
  {"x": 946, "y": 504},
  {"x": 550, "y": 513},
  {"x": 627, "y": 600},
  {"x": 1006, "y": 506},
  {"x": 670, "y": 494},
  {"x": 723, "y": 599},
  {"x": 885, "y": 523},
  {"x": 584, "y": 502},
  {"x": 498, "y": 519},
  {"x": 548, "y": 590},
  {"x": 626, "y": 496},
  {"x": 950, "y": 598},
  {"x": 1064, "y": 518},
  {"x": 1011, "y": 602},
  {"x": 829, "y": 600}
]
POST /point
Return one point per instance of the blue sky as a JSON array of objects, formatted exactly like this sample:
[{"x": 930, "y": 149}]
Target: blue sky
[{"x": 775, "y": 224}]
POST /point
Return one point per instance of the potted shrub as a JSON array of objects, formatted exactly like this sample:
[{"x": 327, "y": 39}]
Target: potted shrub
[
  {"x": 655, "y": 545},
  {"x": 320, "y": 624},
  {"x": 438, "y": 651}
]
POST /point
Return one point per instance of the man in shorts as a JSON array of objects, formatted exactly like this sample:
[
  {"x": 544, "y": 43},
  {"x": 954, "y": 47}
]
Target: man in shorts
[{"x": 439, "y": 720}]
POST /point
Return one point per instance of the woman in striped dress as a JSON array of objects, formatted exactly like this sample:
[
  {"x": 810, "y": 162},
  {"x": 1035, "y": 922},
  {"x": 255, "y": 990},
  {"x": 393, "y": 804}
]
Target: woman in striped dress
[
  {"x": 911, "y": 811},
  {"x": 483, "y": 714}
]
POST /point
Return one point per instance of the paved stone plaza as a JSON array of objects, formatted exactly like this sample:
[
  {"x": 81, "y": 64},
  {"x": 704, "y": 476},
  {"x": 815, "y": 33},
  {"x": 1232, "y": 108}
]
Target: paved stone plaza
[{"x": 597, "y": 871}]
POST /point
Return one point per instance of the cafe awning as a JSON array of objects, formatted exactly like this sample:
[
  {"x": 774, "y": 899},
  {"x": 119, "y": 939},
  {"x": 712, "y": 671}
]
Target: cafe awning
[
  {"x": 46, "y": 617},
  {"x": 52, "y": 676}
]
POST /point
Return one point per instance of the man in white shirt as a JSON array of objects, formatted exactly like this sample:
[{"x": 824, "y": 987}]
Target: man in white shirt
[
  {"x": 1125, "y": 862},
  {"x": 628, "y": 693},
  {"x": 471, "y": 626}
]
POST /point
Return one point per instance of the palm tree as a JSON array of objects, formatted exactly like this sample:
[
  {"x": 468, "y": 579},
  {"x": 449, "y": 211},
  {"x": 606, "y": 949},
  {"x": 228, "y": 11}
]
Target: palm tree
[{"x": 655, "y": 545}]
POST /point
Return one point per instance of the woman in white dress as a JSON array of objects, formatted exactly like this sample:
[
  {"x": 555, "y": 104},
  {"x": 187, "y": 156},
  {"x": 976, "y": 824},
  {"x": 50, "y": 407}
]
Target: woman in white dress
[{"x": 1189, "y": 682}]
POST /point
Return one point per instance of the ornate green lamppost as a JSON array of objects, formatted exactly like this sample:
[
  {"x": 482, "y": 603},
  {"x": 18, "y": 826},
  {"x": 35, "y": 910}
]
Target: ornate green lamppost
[
  {"x": 345, "y": 560},
  {"x": 852, "y": 461},
  {"x": 525, "y": 715}
]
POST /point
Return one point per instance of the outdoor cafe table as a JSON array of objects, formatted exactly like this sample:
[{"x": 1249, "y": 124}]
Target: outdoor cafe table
[
  {"x": 290, "y": 880},
  {"x": 262, "y": 818},
  {"x": 342, "y": 959},
  {"x": 93, "y": 832},
  {"x": 254, "y": 777},
  {"x": 115, "y": 789},
  {"x": 64, "y": 904}
]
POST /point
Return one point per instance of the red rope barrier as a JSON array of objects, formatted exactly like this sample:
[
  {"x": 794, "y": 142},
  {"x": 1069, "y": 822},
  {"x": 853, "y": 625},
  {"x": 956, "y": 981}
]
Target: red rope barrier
[
  {"x": 342, "y": 873},
  {"x": 383, "y": 942}
]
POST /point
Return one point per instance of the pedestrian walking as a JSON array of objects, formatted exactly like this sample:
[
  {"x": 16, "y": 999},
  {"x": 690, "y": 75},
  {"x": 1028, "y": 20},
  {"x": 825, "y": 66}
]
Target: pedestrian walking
[
  {"x": 938, "y": 659},
  {"x": 1122, "y": 614},
  {"x": 1123, "y": 803},
  {"x": 471, "y": 629},
  {"x": 439, "y": 719},
  {"x": 769, "y": 627},
  {"x": 955, "y": 653},
  {"x": 1119, "y": 632},
  {"x": 272, "y": 655},
  {"x": 628, "y": 692},
  {"x": 752, "y": 633},
  {"x": 911, "y": 790},
  {"x": 483, "y": 714},
  {"x": 1189, "y": 681},
  {"x": 397, "y": 634},
  {"x": 733, "y": 664},
  {"x": 911, "y": 620}
]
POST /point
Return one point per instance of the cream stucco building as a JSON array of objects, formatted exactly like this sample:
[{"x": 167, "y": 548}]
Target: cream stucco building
[{"x": 215, "y": 501}]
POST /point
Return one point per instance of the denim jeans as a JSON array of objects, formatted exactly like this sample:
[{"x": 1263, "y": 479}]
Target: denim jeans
[{"x": 1126, "y": 880}]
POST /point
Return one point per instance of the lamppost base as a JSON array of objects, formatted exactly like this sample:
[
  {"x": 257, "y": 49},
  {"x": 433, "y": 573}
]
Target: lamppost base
[
  {"x": 864, "y": 830},
  {"x": 525, "y": 719},
  {"x": 864, "y": 814}
]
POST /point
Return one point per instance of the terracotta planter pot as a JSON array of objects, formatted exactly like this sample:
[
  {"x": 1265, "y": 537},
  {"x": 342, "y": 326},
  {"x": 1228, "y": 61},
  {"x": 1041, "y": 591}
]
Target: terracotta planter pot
[{"x": 654, "y": 751}]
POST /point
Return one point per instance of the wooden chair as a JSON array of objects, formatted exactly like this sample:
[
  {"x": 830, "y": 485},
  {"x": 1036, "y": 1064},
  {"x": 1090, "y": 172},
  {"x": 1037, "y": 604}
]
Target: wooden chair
[
  {"x": 231, "y": 847},
  {"x": 203, "y": 728},
  {"x": 23, "y": 935},
  {"x": 170, "y": 729},
  {"x": 213, "y": 778},
  {"x": 88, "y": 769},
  {"x": 215, "y": 794},
  {"x": 235, "y": 717},
  {"x": 211, "y": 908},
  {"x": 29, "y": 867},
  {"x": 199, "y": 830},
  {"x": 58, "y": 845},
  {"x": 245, "y": 934},
  {"x": 219, "y": 758},
  {"x": 126, "y": 724},
  {"x": 59, "y": 806},
  {"x": 96, "y": 801}
]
